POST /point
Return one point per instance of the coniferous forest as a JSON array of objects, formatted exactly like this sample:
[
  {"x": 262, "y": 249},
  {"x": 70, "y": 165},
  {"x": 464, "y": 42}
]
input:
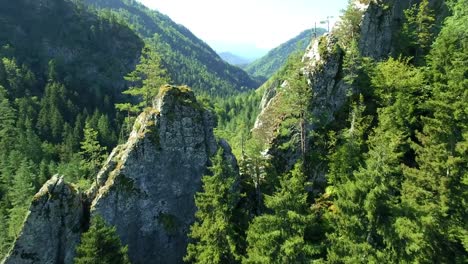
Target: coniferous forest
[{"x": 354, "y": 152}]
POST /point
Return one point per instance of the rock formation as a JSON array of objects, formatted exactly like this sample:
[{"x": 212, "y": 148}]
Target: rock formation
[
  {"x": 148, "y": 194},
  {"x": 53, "y": 226},
  {"x": 382, "y": 21},
  {"x": 146, "y": 189}
]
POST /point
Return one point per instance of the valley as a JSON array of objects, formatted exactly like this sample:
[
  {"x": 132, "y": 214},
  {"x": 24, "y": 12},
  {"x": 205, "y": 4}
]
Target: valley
[{"x": 125, "y": 138}]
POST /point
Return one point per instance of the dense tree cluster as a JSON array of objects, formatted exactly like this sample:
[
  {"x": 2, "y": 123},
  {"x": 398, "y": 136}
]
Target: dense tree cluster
[{"x": 395, "y": 162}]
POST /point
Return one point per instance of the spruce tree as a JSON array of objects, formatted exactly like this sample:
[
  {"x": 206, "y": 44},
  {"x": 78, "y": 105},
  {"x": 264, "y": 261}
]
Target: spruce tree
[
  {"x": 147, "y": 78},
  {"x": 417, "y": 32},
  {"x": 7, "y": 121},
  {"x": 214, "y": 233},
  {"x": 101, "y": 244},
  {"x": 346, "y": 158},
  {"x": 434, "y": 194},
  {"x": 20, "y": 195},
  {"x": 92, "y": 152},
  {"x": 279, "y": 235}
]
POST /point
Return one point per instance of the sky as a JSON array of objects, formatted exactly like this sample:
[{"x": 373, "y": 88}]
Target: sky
[{"x": 247, "y": 27}]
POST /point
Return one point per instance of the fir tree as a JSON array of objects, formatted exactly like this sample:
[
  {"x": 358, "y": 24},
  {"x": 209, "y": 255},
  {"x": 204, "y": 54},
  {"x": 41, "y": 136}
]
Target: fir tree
[
  {"x": 7, "y": 121},
  {"x": 20, "y": 194},
  {"x": 92, "y": 152},
  {"x": 101, "y": 244},
  {"x": 417, "y": 32},
  {"x": 214, "y": 233},
  {"x": 147, "y": 78},
  {"x": 279, "y": 236}
]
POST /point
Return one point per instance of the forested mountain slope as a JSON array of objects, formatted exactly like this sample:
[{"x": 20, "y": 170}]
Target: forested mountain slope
[
  {"x": 61, "y": 72},
  {"x": 372, "y": 122},
  {"x": 189, "y": 60},
  {"x": 358, "y": 154},
  {"x": 264, "y": 67}
]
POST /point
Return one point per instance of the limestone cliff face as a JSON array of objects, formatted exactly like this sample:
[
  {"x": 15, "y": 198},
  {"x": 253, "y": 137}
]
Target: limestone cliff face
[
  {"x": 149, "y": 192},
  {"x": 146, "y": 189},
  {"x": 53, "y": 226}
]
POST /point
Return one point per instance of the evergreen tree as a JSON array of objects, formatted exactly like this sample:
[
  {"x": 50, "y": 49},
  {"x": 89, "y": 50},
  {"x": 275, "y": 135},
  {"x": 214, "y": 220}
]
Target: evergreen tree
[
  {"x": 214, "y": 233},
  {"x": 347, "y": 157},
  {"x": 367, "y": 191},
  {"x": 7, "y": 122},
  {"x": 434, "y": 194},
  {"x": 20, "y": 194},
  {"x": 101, "y": 244},
  {"x": 51, "y": 116},
  {"x": 92, "y": 153},
  {"x": 417, "y": 32},
  {"x": 296, "y": 103},
  {"x": 279, "y": 236},
  {"x": 147, "y": 78}
]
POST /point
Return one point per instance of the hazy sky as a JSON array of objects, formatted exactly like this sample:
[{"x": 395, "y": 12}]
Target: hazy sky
[{"x": 238, "y": 25}]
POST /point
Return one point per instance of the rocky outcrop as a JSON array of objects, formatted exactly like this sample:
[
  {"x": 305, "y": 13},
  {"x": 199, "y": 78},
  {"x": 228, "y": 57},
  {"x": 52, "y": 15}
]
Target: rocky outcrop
[
  {"x": 53, "y": 226},
  {"x": 149, "y": 192},
  {"x": 323, "y": 66},
  {"x": 382, "y": 21},
  {"x": 145, "y": 189}
]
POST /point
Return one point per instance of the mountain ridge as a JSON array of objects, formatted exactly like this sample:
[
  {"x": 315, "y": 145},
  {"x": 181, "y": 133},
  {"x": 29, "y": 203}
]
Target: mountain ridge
[{"x": 188, "y": 59}]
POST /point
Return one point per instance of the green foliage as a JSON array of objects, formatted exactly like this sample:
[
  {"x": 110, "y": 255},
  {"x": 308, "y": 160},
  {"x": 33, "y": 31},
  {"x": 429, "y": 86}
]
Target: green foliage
[
  {"x": 101, "y": 244},
  {"x": 146, "y": 79},
  {"x": 214, "y": 235},
  {"x": 92, "y": 153},
  {"x": 417, "y": 31},
  {"x": 434, "y": 193},
  {"x": 348, "y": 28},
  {"x": 279, "y": 236},
  {"x": 236, "y": 116}
]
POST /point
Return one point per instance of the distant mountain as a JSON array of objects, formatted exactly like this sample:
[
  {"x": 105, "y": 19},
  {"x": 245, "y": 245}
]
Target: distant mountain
[
  {"x": 267, "y": 65},
  {"x": 188, "y": 59},
  {"x": 234, "y": 59}
]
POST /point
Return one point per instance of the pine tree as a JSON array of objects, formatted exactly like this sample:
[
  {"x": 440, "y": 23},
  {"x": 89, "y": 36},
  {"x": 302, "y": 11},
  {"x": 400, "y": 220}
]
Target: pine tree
[
  {"x": 51, "y": 115},
  {"x": 7, "y": 121},
  {"x": 368, "y": 191},
  {"x": 279, "y": 236},
  {"x": 92, "y": 152},
  {"x": 296, "y": 103},
  {"x": 101, "y": 244},
  {"x": 20, "y": 194},
  {"x": 214, "y": 232},
  {"x": 147, "y": 78}
]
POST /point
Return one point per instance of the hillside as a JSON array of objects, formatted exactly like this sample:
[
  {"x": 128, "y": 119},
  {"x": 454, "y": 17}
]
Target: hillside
[
  {"x": 267, "y": 65},
  {"x": 188, "y": 59},
  {"x": 61, "y": 73}
]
